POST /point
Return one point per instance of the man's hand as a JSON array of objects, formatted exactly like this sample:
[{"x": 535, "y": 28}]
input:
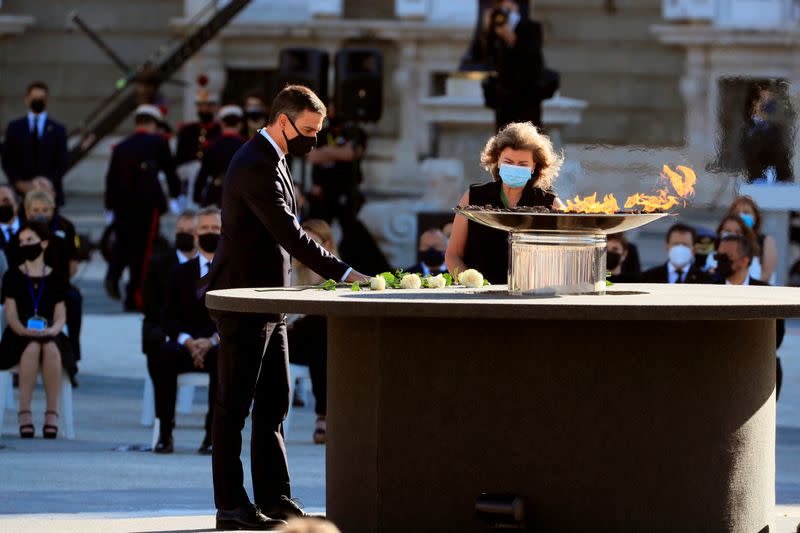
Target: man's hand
[
  {"x": 486, "y": 20},
  {"x": 506, "y": 32},
  {"x": 320, "y": 156},
  {"x": 200, "y": 350},
  {"x": 356, "y": 276}
]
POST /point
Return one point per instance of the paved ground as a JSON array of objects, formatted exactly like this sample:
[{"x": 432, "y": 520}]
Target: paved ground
[{"x": 101, "y": 483}]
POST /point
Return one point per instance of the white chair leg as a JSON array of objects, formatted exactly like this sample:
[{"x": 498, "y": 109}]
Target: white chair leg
[
  {"x": 148, "y": 403},
  {"x": 65, "y": 407},
  {"x": 5, "y": 386},
  {"x": 185, "y": 399},
  {"x": 154, "y": 437}
]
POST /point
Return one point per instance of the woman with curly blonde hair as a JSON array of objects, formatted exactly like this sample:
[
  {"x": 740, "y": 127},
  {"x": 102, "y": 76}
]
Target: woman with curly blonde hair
[{"x": 523, "y": 166}]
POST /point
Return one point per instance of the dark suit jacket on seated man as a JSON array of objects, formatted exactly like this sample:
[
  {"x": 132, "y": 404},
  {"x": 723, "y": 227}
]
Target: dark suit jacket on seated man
[
  {"x": 260, "y": 234},
  {"x": 679, "y": 267},
  {"x": 35, "y": 146},
  {"x": 193, "y": 339}
]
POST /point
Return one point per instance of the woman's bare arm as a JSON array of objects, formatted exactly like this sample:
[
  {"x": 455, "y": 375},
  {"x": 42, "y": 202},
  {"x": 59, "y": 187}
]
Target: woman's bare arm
[
  {"x": 769, "y": 258},
  {"x": 457, "y": 245}
]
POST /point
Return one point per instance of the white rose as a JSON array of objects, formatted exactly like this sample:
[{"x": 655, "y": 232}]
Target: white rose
[
  {"x": 437, "y": 282},
  {"x": 378, "y": 283},
  {"x": 410, "y": 281},
  {"x": 471, "y": 278}
]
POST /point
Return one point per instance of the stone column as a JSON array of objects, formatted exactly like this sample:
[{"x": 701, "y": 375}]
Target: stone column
[
  {"x": 700, "y": 122},
  {"x": 406, "y": 80}
]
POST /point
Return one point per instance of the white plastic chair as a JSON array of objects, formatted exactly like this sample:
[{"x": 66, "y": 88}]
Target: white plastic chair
[
  {"x": 186, "y": 385},
  {"x": 296, "y": 372},
  {"x": 66, "y": 420}
]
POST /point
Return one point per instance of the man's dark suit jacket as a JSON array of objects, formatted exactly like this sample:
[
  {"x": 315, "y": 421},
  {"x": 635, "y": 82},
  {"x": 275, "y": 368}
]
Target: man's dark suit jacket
[
  {"x": 660, "y": 274},
  {"x": 154, "y": 294},
  {"x": 260, "y": 232},
  {"x": 184, "y": 312},
  {"x": 19, "y": 162},
  {"x": 132, "y": 186},
  {"x": 780, "y": 324}
]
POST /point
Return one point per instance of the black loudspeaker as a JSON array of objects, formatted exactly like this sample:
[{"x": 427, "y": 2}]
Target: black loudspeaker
[
  {"x": 359, "y": 84},
  {"x": 304, "y": 66}
]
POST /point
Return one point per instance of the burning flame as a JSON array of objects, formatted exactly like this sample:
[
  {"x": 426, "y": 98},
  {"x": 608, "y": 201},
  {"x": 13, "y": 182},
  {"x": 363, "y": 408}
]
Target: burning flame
[{"x": 682, "y": 183}]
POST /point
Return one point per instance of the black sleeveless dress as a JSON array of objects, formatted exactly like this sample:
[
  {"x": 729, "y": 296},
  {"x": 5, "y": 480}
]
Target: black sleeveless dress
[{"x": 487, "y": 248}]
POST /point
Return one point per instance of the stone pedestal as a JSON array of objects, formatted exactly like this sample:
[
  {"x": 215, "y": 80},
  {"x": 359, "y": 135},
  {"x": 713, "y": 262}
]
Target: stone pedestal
[{"x": 603, "y": 413}]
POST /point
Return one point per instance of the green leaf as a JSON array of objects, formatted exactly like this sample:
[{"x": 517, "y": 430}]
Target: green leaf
[
  {"x": 389, "y": 277},
  {"x": 355, "y": 286},
  {"x": 486, "y": 282},
  {"x": 329, "y": 285},
  {"x": 609, "y": 284},
  {"x": 448, "y": 279}
]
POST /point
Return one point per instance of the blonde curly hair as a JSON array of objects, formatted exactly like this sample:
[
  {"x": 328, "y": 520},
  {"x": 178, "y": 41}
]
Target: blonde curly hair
[{"x": 524, "y": 136}]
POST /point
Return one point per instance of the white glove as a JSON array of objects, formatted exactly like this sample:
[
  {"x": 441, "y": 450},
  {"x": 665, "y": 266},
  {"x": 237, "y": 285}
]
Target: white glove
[
  {"x": 174, "y": 206},
  {"x": 109, "y": 216}
]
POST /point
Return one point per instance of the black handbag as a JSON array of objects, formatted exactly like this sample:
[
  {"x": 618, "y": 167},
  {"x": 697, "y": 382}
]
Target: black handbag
[
  {"x": 489, "y": 85},
  {"x": 548, "y": 83}
]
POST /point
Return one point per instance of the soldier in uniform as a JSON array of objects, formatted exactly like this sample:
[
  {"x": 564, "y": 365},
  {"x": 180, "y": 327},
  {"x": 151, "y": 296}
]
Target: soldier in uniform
[
  {"x": 255, "y": 111},
  {"x": 135, "y": 199},
  {"x": 195, "y": 138},
  {"x": 208, "y": 185}
]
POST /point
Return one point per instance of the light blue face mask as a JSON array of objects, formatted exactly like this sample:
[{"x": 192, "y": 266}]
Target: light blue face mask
[
  {"x": 514, "y": 176},
  {"x": 748, "y": 219}
]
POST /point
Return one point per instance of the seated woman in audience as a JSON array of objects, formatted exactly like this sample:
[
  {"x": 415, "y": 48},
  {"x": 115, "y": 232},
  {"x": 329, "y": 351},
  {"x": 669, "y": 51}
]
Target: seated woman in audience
[
  {"x": 764, "y": 264},
  {"x": 33, "y": 303},
  {"x": 734, "y": 225},
  {"x": 308, "y": 333},
  {"x": 523, "y": 165},
  {"x": 616, "y": 255}
]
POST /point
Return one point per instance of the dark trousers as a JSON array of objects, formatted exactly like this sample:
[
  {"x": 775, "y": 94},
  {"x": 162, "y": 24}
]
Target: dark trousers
[
  {"x": 134, "y": 237},
  {"x": 174, "y": 359},
  {"x": 249, "y": 373},
  {"x": 308, "y": 346},
  {"x": 74, "y": 304}
]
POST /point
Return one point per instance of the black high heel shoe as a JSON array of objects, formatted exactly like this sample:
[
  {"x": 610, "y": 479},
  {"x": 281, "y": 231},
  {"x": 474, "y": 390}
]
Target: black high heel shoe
[
  {"x": 26, "y": 431},
  {"x": 50, "y": 431}
]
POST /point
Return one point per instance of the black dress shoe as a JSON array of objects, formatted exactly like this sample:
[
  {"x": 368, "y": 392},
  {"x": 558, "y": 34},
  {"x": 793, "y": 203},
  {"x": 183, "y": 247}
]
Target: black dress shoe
[
  {"x": 285, "y": 508},
  {"x": 164, "y": 446},
  {"x": 205, "y": 447},
  {"x": 246, "y": 517}
]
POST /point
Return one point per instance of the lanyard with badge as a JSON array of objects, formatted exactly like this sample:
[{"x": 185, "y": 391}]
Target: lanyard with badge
[{"x": 36, "y": 322}]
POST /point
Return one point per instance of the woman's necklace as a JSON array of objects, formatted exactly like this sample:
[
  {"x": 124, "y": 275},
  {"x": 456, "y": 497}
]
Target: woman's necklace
[{"x": 505, "y": 198}]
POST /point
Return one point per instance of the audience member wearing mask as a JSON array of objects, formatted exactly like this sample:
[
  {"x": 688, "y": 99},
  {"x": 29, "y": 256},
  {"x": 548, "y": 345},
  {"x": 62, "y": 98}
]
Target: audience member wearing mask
[
  {"x": 733, "y": 225},
  {"x": 432, "y": 247},
  {"x": 734, "y": 255},
  {"x": 680, "y": 266},
  {"x": 255, "y": 112},
  {"x": 523, "y": 165},
  {"x": 308, "y": 334},
  {"x": 208, "y": 184},
  {"x": 765, "y": 262},
  {"x": 33, "y": 303},
  {"x": 156, "y": 284},
  {"x": 766, "y": 142},
  {"x": 35, "y": 146},
  {"x": 62, "y": 255},
  {"x": 9, "y": 223},
  {"x": 194, "y": 138},
  {"x": 704, "y": 246},
  {"x": 193, "y": 338},
  {"x": 616, "y": 255}
]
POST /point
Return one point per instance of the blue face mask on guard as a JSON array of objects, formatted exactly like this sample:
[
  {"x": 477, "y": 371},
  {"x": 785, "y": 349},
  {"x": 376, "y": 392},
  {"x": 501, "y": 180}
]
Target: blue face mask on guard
[
  {"x": 515, "y": 176},
  {"x": 748, "y": 219}
]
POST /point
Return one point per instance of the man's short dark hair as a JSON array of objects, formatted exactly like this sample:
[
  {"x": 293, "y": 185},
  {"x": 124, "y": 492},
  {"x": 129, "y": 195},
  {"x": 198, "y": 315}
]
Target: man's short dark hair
[
  {"x": 745, "y": 246},
  {"x": 37, "y": 85},
  {"x": 211, "y": 210},
  {"x": 231, "y": 121},
  {"x": 256, "y": 93},
  {"x": 619, "y": 237},
  {"x": 293, "y": 100},
  {"x": 682, "y": 228},
  {"x": 144, "y": 119}
]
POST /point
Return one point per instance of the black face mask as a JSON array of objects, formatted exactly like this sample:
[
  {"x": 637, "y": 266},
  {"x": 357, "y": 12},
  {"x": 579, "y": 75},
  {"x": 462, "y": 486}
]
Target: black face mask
[
  {"x": 208, "y": 242},
  {"x": 300, "y": 145},
  {"x": 37, "y": 105},
  {"x": 184, "y": 242},
  {"x": 30, "y": 252},
  {"x": 205, "y": 116},
  {"x": 43, "y": 219},
  {"x": 724, "y": 266},
  {"x": 6, "y": 213},
  {"x": 432, "y": 257},
  {"x": 613, "y": 259}
]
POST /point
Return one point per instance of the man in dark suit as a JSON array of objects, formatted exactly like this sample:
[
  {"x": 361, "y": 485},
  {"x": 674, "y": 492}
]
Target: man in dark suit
[
  {"x": 9, "y": 223},
  {"x": 156, "y": 283},
  {"x": 432, "y": 246},
  {"x": 208, "y": 185},
  {"x": 680, "y": 266},
  {"x": 260, "y": 234},
  {"x": 734, "y": 255},
  {"x": 515, "y": 42},
  {"x": 35, "y": 146},
  {"x": 193, "y": 339},
  {"x": 195, "y": 138},
  {"x": 134, "y": 196}
]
